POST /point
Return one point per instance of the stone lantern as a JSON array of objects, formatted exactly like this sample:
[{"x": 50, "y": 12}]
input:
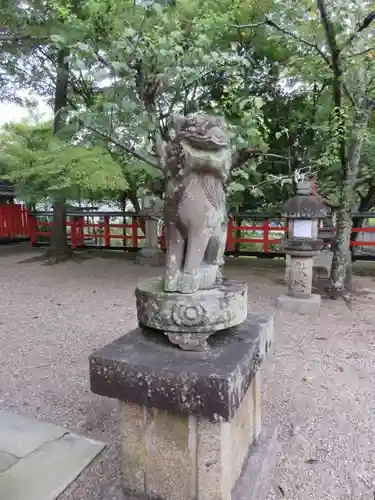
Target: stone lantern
[
  {"x": 303, "y": 212},
  {"x": 151, "y": 253}
]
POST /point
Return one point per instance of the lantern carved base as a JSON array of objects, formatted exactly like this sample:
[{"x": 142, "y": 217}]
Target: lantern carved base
[
  {"x": 309, "y": 305},
  {"x": 189, "y": 319}
]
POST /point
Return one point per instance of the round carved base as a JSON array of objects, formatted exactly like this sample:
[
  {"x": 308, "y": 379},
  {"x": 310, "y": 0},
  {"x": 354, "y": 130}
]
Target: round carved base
[
  {"x": 189, "y": 341},
  {"x": 189, "y": 319}
]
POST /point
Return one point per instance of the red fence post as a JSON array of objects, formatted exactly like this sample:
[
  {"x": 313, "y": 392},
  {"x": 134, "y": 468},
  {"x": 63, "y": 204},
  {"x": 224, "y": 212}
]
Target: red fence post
[
  {"x": 107, "y": 232},
  {"x": 135, "y": 232},
  {"x": 73, "y": 233},
  {"x": 266, "y": 235},
  {"x": 33, "y": 226},
  {"x": 163, "y": 244},
  {"x": 16, "y": 216},
  {"x": 2, "y": 220},
  {"x": 9, "y": 221},
  {"x": 80, "y": 232},
  {"x": 25, "y": 221},
  {"x": 230, "y": 235}
]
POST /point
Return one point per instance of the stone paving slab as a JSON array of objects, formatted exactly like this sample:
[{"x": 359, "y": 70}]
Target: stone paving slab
[
  {"x": 20, "y": 435},
  {"x": 56, "y": 460},
  {"x": 6, "y": 460}
]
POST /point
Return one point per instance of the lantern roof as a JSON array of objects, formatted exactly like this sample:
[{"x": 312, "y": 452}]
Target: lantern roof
[{"x": 305, "y": 205}]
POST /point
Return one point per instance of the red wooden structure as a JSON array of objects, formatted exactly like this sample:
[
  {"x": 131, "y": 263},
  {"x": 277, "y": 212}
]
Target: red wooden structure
[
  {"x": 13, "y": 221},
  {"x": 97, "y": 229}
]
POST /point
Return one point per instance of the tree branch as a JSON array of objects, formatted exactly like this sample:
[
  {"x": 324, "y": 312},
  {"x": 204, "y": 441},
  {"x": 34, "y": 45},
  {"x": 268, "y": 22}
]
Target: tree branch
[
  {"x": 359, "y": 53},
  {"x": 361, "y": 27},
  {"x": 4, "y": 38},
  {"x": 109, "y": 138},
  {"x": 337, "y": 84},
  {"x": 243, "y": 26},
  {"x": 271, "y": 23},
  {"x": 128, "y": 149},
  {"x": 241, "y": 157},
  {"x": 298, "y": 38},
  {"x": 312, "y": 45}
]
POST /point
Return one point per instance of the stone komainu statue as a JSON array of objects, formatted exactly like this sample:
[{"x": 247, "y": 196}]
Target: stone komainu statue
[{"x": 197, "y": 166}]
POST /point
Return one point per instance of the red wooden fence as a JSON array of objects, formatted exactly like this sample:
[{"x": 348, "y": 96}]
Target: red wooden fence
[
  {"x": 132, "y": 232},
  {"x": 237, "y": 236},
  {"x": 16, "y": 221},
  {"x": 13, "y": 221},
  {"x": 266, "y": 241}
]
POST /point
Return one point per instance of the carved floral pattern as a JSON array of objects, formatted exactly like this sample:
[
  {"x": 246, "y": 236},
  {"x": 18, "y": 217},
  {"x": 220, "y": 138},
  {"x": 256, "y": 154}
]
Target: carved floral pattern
[
  {"x": 189, "y": 314},
  {"x": 191, "y": 317}
]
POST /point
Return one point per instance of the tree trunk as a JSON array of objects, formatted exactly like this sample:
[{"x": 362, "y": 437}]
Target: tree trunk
[
  {"x": 137, "y": 208},
  {"x": 123, "y": 200},
  {"x": 341, "y": 264},
  {"x": 59, "y": 243}
]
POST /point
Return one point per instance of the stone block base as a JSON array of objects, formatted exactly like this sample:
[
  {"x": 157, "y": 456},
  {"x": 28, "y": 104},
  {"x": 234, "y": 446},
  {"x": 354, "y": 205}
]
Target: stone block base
[
  {"x": 170, "y": 456},
  {"x": 189, "y": 421},
  {"x": 254, "y": 483},
  {"x": 310, "y": 305}
]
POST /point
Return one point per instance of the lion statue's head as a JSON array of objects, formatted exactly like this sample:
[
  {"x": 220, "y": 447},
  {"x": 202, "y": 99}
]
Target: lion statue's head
[{"x": 202, "y": 144}]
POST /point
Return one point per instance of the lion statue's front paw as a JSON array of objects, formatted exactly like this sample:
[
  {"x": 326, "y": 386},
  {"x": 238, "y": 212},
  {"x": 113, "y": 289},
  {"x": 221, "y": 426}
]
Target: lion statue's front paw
[
  {"x": 172, "y": 280},
  {"x": 189, "y": 282}
]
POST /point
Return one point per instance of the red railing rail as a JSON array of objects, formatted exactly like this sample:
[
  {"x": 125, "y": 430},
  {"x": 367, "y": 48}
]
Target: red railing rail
[
  {"x": 81, "y": 228},
  {"x": 238, "y": 235}
]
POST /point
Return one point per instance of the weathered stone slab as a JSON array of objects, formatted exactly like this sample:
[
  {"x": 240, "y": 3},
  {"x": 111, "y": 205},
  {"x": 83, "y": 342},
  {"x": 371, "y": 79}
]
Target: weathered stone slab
[
  {"x": 309, "y": 305},
  {"x": 49, "y": 470},
  {"x": 6, "y": 461},
  {"x": 171, "y": 456},
  {"x": 21, "y": 435},
  {"x": 142, "y": 367}
]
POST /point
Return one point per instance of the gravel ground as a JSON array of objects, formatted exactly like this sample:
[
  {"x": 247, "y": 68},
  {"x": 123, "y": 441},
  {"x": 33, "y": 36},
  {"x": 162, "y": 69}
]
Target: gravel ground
[{"x": 318, "y": 382}]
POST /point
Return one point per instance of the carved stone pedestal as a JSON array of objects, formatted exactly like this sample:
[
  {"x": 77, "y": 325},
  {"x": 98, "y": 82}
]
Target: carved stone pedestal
[
  {"x": 190, "y": 423},
  {"x": 189, "y": 319}
]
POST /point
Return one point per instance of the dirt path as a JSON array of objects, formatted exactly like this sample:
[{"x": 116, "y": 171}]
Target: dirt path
[{"x": 318, "y": 383}]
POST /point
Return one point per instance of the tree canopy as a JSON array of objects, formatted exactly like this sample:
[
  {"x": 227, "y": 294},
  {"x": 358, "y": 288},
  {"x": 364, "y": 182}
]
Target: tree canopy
[{"x": 40, "y": 165}]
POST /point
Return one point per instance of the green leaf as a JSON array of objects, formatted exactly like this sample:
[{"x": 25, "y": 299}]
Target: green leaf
[
  {"x": 158, "y": 7},
  {"x": 58, "y": 39},
  {"x": 259, "y": 103},
  {"x": 236, "y": 186}
]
